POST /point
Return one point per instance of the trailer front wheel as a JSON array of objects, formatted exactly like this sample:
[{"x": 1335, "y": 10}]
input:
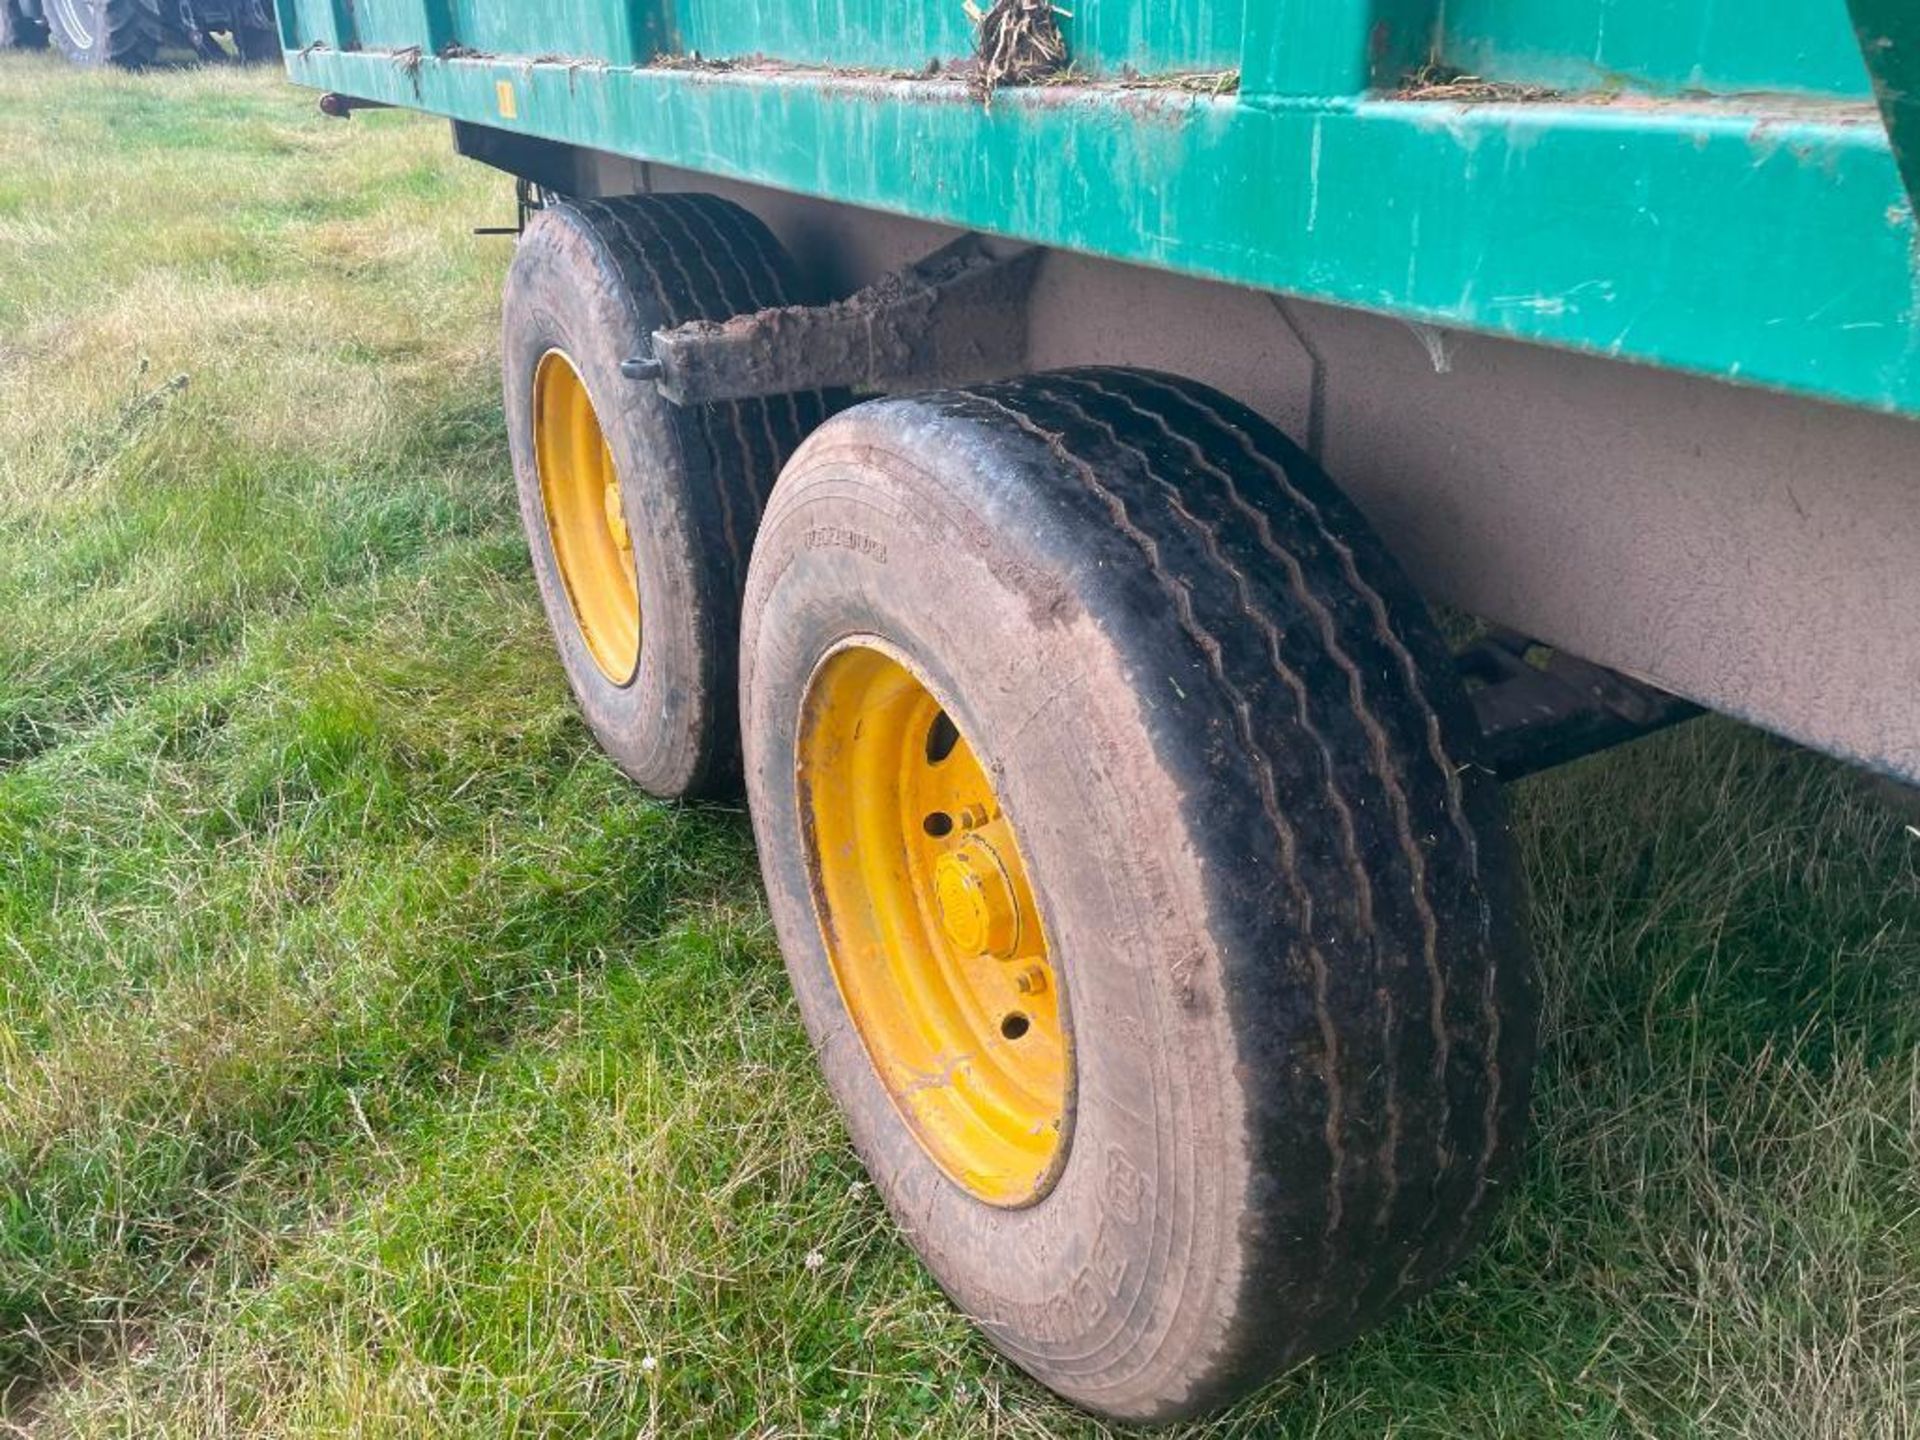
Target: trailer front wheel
[{"x": 1156, "y": 935}]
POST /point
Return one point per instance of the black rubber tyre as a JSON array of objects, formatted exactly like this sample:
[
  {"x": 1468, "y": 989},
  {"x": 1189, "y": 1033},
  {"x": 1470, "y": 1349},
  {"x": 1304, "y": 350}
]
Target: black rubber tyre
[
  {"x": 594, "y": 280},
  {"x": 1278, "y": 890},
  {"x": 19, "y": 33},
  {"x": 257, "y": 45},
  {"x": 94, "y": 33}
]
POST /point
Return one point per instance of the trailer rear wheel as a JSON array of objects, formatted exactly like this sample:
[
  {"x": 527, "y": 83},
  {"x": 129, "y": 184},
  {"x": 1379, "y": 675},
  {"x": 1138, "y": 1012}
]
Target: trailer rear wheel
[
  {"x": 1157, "y": 935},
  {"x": 641, "y": 514},
  {"x": 125, "y": 33}
]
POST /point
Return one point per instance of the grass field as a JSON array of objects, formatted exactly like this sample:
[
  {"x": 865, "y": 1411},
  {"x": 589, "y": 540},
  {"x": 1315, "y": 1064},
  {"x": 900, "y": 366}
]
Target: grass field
[{"x": 373, "y": 1059}]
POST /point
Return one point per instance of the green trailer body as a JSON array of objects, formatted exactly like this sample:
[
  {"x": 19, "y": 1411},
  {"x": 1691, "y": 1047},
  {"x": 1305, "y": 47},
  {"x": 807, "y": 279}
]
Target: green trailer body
[{"x": 1699, "y": 185}]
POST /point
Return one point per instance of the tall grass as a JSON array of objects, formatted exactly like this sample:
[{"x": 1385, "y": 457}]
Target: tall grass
[{"x": 374, "y": 1060}]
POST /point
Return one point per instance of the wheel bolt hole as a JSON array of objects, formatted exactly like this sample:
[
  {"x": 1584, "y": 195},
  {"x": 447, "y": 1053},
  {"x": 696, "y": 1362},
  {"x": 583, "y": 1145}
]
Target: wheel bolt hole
[
  {"x": 942, "y": 736},
  {"x": 939, "y": 824},
  {"x": 1014, "y": 1025}
]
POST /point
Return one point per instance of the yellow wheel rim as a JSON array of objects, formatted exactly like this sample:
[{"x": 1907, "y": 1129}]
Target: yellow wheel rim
[
  {"x": 580, "y": 490},
  {"x": 931, "y": 927}
]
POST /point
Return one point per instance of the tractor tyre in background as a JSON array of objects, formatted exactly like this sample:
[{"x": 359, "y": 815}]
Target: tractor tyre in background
[
  {"x": 206, "y": 47},
  {"x": 19, "y": 33},
  {"x": 94, "y": 33},
  {"x": 257, "y": 44},
  {"x": 640, "y": 513},
  {"x": 1156, "y": 931}
]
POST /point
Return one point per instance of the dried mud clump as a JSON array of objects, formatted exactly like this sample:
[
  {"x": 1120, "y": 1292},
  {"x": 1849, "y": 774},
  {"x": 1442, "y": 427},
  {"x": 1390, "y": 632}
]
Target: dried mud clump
[{"x": 1020, "y": 42}]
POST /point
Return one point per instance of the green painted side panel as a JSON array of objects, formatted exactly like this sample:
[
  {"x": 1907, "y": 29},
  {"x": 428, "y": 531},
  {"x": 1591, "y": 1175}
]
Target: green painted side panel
[
  {"x": 622, "y": 32},
  {"x": 1287, "y": 47},
  {"x": 317, "y": 22},
  {"x": 1103, "y": 36},
  {"x": 1106, "y": 35},
  {"x": 902, "y": 36},
  {"x": 1889, "y": 34},
  {"x": 436, "y": 21},
  {"x": 387, "y": 24},
  {"x": 1804, "y": 46},
  {"x": 1307, "y": 47},
  {"x": 1766, "y": 250}
]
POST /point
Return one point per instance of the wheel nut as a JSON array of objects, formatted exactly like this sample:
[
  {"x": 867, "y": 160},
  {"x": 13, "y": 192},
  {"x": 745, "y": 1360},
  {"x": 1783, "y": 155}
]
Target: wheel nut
[{"x": 1031, "y": 981}]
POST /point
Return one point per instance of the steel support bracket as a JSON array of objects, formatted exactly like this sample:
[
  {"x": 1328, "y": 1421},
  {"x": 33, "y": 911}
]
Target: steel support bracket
[
  {"x": 1539, "y": 708},
  {"x": 957, "y": 317}
]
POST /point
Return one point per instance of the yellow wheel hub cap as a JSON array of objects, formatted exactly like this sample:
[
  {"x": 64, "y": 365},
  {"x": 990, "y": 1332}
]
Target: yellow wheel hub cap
[
  {"x": 580, "y": 490},
  {"x": 978, "y": 909},
  {"x": 931, "y": 927}
]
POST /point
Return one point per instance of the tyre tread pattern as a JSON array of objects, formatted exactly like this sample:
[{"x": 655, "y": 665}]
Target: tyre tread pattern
[
  {"x": 1388, "y": 955},
  {"x": 700, "y": 257},
  {"x": 127, "y": 35}
]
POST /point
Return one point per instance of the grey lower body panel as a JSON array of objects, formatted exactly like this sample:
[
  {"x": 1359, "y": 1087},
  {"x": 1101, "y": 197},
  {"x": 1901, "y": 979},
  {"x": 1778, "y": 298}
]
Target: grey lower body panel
[{"x": 1747, "y": 551}]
